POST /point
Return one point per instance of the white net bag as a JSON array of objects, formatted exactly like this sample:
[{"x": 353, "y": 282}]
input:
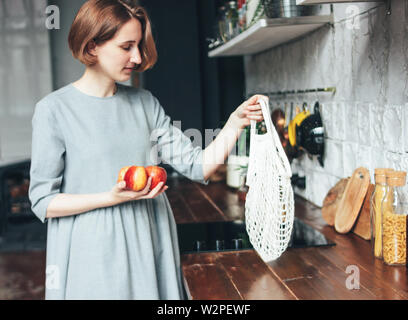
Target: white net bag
[{"x": 269, "y": 206}]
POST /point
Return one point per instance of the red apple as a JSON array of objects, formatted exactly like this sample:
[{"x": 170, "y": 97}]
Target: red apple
[
  {"x": 136, "y": 178},
  {"x": 158, "y": 175},
  {"x": 122, "y": 173}
]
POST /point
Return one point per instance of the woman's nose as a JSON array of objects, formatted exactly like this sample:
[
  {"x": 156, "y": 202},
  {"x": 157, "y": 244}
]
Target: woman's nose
[{"x": 136, "y": 58}]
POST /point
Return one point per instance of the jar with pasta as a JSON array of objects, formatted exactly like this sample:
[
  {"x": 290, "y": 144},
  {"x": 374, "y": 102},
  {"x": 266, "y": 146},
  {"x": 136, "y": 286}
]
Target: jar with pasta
[
  {"x": 375, "y": 210},
  {"x": 394, "y": 208}
]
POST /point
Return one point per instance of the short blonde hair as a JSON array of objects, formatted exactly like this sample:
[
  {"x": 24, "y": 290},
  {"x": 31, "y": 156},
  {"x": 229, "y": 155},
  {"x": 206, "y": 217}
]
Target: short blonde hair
[{"x": 99, "y": 20}]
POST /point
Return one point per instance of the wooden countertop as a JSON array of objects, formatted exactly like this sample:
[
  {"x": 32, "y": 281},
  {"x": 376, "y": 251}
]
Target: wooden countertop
[
  {"x": 312, "y": 273},
  {"x": 301, "y": 273}
]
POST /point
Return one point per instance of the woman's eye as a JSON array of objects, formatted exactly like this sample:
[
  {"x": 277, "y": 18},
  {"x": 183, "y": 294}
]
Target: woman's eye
[{"x": 126, "y": 48}]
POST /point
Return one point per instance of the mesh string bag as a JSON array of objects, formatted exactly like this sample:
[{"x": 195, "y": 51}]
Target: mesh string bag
[{"x": 269, "y": 205}]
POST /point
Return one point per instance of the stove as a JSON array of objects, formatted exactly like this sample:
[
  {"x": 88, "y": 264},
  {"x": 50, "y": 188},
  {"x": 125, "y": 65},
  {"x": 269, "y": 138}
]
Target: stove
[{"x": 232, "y": 235}]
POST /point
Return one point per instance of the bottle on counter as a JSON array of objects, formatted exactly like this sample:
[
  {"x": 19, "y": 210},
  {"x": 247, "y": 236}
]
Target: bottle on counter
[
  {"x": 221, "y": 27},
  {"x": 394, "y": 210},
  {"x": 375, "y": 210},
  {"x": 232, "y": 22}
]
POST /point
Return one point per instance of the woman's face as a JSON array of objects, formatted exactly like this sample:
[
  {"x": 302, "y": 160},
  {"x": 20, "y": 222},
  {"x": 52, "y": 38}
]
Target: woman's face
[{"x": 117, "y": 56}]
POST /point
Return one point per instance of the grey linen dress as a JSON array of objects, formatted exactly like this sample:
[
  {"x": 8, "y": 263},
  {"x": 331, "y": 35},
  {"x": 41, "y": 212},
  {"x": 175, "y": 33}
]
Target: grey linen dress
[{"x": 79, "y": 144}]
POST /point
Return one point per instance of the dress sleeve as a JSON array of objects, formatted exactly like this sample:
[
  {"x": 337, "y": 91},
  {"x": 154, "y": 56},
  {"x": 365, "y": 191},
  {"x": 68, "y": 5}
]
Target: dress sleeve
[
  {"x": 47, "y": 160},
  {"x": 174, "y": 147}
]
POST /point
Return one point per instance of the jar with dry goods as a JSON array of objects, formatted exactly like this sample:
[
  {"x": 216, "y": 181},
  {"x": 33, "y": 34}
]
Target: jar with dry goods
[
  {"x": 394, "y": 210},
  {"x": 375, "y": 210}
]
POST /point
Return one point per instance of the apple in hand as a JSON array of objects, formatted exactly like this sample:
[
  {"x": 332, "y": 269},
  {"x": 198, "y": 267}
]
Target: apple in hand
[
  {"x": 136, "y": 178},
  {"x": 122, "y": 173},
  {"x": 158, "y": 175}
]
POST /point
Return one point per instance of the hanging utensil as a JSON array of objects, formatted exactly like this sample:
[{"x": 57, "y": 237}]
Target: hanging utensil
[
  {"x": 292, "y": 151},
  {"x": 300, "y": 116},
  {"x": 310, "y": 134}
]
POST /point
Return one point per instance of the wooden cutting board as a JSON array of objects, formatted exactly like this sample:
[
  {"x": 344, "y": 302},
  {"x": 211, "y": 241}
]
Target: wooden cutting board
[
  {"x": 362, "y": 226},
  {"x": 332, "y": 200},
  {"x": 352, "y": 200}
]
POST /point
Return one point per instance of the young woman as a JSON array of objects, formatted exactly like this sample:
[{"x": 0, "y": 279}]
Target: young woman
[{"x": 105, "y": 242}]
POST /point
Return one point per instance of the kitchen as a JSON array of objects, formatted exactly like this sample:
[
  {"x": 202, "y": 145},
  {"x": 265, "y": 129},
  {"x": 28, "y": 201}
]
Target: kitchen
[{"x": 349, "y": 57}]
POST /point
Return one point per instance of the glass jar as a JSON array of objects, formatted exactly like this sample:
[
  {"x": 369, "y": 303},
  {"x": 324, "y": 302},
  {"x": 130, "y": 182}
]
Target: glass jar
[
  {"x": 232, "y": 20},
  {"x": 243, "y": 189},
  {"x": 375, "y": 210},
  {"x": 394, "y": 209}
]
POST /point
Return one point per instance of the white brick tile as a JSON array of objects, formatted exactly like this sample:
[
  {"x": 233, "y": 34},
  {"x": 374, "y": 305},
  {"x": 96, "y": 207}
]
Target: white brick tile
[
  {"x": 306, "y": 162},
  {"x": 327, "y": 116},
  {"x": 349, "y": 158},
  {"x": 363, "y": 123},
  {"x": 333, "y": 160},
  {"x": 321, "y": 185},
  {"x": 378, "y": 160},
  {"x": 310, "y": 183},
  {"x": 405, "y": 125},
  {"x": 351, "y": 119},
  {"x": 376, "y": 125},
  {"x": 338, "y": 120},
  {"x": 404, "y": 162},
  {"x": 394, "y": 160},
  {"x": 296, "y": 166},
  {"x": 363, "y": 157},
  {"x": 393, "y": 128}
]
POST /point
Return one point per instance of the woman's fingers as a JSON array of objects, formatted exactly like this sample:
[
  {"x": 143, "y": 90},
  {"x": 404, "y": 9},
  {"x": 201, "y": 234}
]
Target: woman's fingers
[
  {"x": 121, "y": 185},
  {"x": 156, "y": 191},
  {"x": 146, "y": 193},
  {"x": 147, "y": 187},
  {"x": 254, "y": 99},
  {"x": 253, "y": 110}
]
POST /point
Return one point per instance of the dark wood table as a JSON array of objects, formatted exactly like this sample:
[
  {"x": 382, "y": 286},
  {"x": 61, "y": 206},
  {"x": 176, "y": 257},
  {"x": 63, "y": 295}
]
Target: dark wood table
[
  {"x": 301, "y": 273},
  {"x": 311, "y": 273}
]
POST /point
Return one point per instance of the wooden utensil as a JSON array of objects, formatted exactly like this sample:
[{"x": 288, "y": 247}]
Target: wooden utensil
[
  {"x": 352, "y": 200},
  {"x": 332, "y": 200},
  {"x": 362, "y": 227}
]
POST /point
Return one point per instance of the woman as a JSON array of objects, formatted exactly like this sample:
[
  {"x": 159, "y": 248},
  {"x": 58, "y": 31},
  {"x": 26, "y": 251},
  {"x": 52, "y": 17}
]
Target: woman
[{"x": 106, "y": 242}]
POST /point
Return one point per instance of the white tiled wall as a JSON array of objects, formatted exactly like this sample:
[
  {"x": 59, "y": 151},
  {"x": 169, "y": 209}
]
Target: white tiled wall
[{"x": 366, "y": 121}]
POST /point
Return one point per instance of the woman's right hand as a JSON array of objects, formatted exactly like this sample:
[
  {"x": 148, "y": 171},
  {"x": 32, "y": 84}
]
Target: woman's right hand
[{"x": 120, "y": 194}]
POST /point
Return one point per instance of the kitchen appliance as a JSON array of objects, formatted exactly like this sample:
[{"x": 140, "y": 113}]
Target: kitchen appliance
[
  {"x": 285, "y": 9},
  {"x": 20, "y": 229},
  {"x": 232, "y": 236}
]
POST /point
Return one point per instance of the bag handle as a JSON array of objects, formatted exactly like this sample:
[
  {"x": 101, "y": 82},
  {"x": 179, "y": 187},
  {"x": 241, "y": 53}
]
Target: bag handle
[{"x": 271, "y": 131}]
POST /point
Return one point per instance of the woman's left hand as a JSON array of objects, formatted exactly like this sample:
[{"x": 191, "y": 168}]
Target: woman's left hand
[{"x": 247, "y": 111}]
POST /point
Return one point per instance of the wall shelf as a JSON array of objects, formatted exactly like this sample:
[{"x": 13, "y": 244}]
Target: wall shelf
[{"x": 268, "y": 33}]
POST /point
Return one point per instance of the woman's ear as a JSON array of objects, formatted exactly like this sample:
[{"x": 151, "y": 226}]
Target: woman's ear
[{"x": 92, "y": 48}]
